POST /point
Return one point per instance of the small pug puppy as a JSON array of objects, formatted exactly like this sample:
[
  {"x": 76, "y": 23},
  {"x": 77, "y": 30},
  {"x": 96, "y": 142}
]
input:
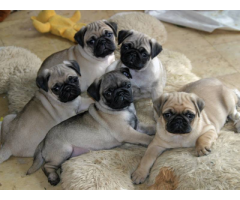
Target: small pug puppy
[
  {"x": 138, "y": 54},
  {"x": 56, "y": 100},
  {"x": 109, "y": 123},
  {"x": 94, "y": 52},
  {"x": 191, "y": 117}
]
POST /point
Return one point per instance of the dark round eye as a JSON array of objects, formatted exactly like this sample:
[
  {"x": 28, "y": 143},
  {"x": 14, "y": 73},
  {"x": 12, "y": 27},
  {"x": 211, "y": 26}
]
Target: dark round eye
[
  {"x": 126, "y": 74},
  {"x": 56, "y": 88},
  {"x": 91, "y": 42},
  {"x": 108, "y": 94},
  {"x": 109, "y": 34},
  {"x": 189, "y": 115},
  {"x": 144, "y": 55},
  {"x": 72, "y": 79},
  {"x": 128, "y": 85},
  {"x": 167, "y": 115},
  {"x": 126, "y": 47}
]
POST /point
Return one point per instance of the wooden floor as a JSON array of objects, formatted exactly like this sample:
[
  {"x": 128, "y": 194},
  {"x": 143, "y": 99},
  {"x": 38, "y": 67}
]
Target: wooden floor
[{"x": 214, "y": 54}]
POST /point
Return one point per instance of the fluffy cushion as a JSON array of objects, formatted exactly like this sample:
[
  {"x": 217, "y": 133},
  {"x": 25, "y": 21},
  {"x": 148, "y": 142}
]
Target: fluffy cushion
[
  {"x": 141, "y": 22},
  {"x": 112, "y": 169},
  {"x": 217, "y": 171},
  {"x": 18, "y": 70}
]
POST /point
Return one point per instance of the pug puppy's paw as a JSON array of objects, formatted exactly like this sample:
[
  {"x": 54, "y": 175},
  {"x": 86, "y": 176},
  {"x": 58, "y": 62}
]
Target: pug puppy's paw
[
  {"x": 203, "y": 149},
  {"x": 139, "y": 176}
]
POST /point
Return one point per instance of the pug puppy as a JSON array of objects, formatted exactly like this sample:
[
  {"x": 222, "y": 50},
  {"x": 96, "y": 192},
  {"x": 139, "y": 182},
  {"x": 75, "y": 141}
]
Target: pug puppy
[
  {"x": 109, "y": 123},
  {"x": 94, "y": 52},
  {"x": 191, "y": 117},
  {"x": 56, "y": 100},
  {"x": 138, "y": 54}
]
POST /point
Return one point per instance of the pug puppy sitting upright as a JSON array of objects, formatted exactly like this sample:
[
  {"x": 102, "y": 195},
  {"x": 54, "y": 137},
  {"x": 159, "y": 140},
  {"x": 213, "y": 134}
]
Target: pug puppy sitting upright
[
  {"x": 109, "y": 123},
  {"x": 94, "y": 52},
  {"x": 138, "y": 53},
  {"x": 56, "y": 100},
  {"x": 192, "y": 117}
]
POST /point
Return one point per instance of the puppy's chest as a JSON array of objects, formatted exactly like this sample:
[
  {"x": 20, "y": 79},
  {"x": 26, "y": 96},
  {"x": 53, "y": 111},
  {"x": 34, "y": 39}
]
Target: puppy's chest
[
  {"x": 141, "y": 80},
  {"x": 177, "y": 141},
  {"x": 141, "y": 85},
  {"x": 123, "y": 120},
  {"x": 132, "y": 120}
]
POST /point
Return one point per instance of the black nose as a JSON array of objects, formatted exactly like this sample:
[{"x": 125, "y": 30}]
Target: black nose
[
  {"x": 102, "y": 42},
  {"x": 68, "y": 89},
  {"x": 179, "y": 120},
  {"x": 132, "y": 57}
]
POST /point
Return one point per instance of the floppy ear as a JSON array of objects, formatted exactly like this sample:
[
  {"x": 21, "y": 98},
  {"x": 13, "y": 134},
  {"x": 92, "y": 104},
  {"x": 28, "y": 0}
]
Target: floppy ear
[
  {"x": 125, "y": 71},
  {"x": 73, "y": 65},
  {"x": 198, "y": 103},
  {"x": 159, "y": 103},
  {"x": 42, "y": 80},
  {"x": 123, "y": 34},
  {"x": 79, "y": 36},
  {"x": 156, "y": 48},
  {"x": 113, "y": 26},
  {"x": 94, "y": 89}
]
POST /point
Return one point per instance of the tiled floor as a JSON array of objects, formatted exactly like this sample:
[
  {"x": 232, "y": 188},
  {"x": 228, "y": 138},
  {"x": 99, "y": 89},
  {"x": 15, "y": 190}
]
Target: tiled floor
[{"x": 214, "y": 54}]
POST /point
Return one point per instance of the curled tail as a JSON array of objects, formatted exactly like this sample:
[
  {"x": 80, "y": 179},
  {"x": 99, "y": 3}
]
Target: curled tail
[{"x": 38, "y": 160}]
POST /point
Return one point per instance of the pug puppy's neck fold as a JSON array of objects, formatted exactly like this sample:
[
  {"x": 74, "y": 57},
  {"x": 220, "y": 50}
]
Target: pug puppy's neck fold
[{"x": 89, "y": 56}]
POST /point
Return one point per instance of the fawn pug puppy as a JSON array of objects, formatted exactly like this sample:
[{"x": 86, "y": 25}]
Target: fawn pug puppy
[
  {"x": 109, "y": 123},
  {"x": 191, "y": 117},
  {"x": 138, "y": 54},
  {"x": 56, "y": 100},
  {"x": 94, "y": 52}
]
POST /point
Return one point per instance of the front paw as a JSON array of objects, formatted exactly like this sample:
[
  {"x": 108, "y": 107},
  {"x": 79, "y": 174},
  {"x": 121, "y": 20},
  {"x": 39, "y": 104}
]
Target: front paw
[
  {"x": 139, "y": 176},
  {"x": 203, "y": 149}
]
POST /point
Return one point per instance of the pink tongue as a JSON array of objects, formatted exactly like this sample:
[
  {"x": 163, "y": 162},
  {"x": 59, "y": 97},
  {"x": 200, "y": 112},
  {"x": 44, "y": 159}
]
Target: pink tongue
[{"x": 78, "y": 151}]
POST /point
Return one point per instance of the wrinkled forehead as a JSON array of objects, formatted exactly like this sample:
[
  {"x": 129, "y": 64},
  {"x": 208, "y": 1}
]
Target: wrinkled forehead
[
  {"x": 97, "y": 29},
  {"x": 113, "y": 79},
  {"x": 59, "y": 74},
  {"x": 138, "y": 40},
  {"x": 179, "y": 102}
]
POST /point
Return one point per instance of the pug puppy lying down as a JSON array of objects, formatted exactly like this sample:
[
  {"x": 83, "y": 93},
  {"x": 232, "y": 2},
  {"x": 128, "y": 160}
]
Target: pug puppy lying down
[
  {"x": 56, "y": 100},
  {"x": 191, "y": 117},
  {"x": 110, "y": 122},
  {"x": 94, "y": 52},
  {"x": 139, "y": 55}
]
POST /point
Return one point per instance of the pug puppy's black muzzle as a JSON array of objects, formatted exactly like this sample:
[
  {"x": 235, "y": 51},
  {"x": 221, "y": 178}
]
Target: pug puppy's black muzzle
[
  {"x": 122, "y": 98},
  {"x": 103, "y": 47},
  {"x": 69, "y": 90},
  {"x": 178, "y": 125},
  {"x": 133, "y": 59}
]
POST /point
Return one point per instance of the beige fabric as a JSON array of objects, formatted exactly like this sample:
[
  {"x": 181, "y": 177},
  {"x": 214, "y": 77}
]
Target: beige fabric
[
  {"x": 219, "y": 170},
  {"x": 18, "y": 69},
  {"x": 141, "y": 22}
]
